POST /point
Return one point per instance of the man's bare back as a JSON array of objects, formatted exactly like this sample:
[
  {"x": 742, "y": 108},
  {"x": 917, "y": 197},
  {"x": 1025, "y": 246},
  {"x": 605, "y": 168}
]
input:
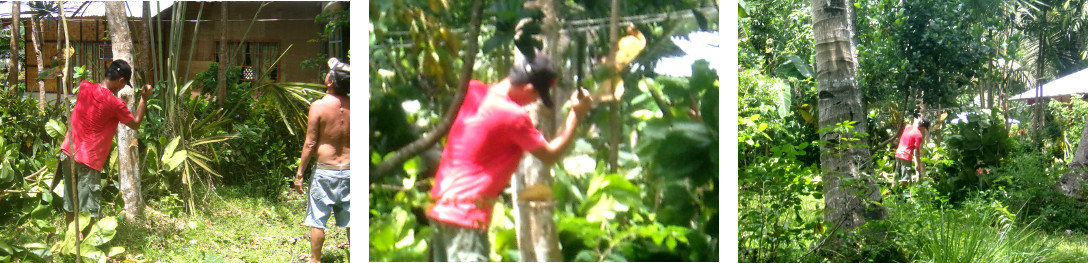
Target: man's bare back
[{"x": 333, "y": 142}]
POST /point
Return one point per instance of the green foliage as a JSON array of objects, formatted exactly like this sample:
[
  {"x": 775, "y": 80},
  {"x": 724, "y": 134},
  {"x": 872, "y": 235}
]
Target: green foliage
[
  {"x": 91, "y": 247},
  {"x": 974, "y": 146},
  {"x": 778, "y": 38},
  {"x": 1028, "y": 180},
  {"x": 980, "y": 229},
  {"x": 207, "y": 81},
  {"x": 1067, "y": 123},
  {"x": 394, "y": 238},
  {"x": 26, "y": 147},
  {"x": 399, "y": 231},
  {"x": 923, "y": 49},
  {"x": 780, "y": 194}
]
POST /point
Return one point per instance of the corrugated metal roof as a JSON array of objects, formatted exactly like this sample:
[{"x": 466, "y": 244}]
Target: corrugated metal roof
[
  {"x": 1076, "y": 83},
  {"x": 93, "y": 9}
]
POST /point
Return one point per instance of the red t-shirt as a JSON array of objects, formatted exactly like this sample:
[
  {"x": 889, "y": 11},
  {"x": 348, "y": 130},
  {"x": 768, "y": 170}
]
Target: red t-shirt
[
  {"x": 908, "y": 142},
  {"x": 94, "y": 123},
  {"x": 485, "y": 144}
]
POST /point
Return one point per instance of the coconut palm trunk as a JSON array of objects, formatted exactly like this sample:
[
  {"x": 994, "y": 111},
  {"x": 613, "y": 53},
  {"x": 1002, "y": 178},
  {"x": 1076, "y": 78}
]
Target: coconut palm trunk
[
  {"x": 127, "y": 148},
  {"x": 849, "y": 195}
]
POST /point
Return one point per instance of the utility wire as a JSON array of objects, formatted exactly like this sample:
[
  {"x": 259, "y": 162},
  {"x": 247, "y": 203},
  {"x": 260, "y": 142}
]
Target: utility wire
[{"x": 581, "y": 25}]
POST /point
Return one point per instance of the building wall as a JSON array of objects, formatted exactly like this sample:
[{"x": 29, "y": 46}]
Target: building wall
[
  {"x": 289, "y": 24},
  {"x": 82, "y": 29}
]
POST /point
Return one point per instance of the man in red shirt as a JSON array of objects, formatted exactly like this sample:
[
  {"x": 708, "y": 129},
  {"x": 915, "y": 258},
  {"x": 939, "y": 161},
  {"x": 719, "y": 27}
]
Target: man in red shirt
[
  {"x": 910, "y": 149},
  {"x": 93, "y": 125},
  {"x": 487, "y": 140}
]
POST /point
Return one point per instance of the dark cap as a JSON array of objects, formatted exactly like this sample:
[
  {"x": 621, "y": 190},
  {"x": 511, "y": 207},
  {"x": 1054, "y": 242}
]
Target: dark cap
[
  {"x": 538, "y": 71},
  {"x": 924, "y": 123},
  {"x": 120, "y": 69}
]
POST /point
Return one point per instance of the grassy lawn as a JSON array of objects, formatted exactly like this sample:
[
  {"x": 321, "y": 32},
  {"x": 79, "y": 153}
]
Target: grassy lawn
[
  {"x": 1068, "y": 248},
  {"x": 230, "y": 226}
]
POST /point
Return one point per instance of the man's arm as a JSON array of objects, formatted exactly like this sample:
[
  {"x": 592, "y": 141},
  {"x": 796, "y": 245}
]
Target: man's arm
[
  {"x": 140, "y": 110},
  {"x": 551, "y": 152},
  {"x": 309, "y": 144}
]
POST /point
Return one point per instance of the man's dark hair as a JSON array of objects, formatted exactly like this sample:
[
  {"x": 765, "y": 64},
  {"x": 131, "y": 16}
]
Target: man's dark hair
[
  {"x": 341, "y": 82},
  {"x": 119, "y": 69},
  {"x": 340, "y": 73},
  {"x": 924, "y": 123},
  {"x": 537, "y": 70}
]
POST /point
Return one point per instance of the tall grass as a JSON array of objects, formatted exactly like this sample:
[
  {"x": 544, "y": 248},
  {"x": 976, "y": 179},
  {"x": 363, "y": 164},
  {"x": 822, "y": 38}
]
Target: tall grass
[{"x": 977, "y": 230}]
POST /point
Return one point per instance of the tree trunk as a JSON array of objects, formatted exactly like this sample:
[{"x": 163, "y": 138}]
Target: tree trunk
[
  {"x": 127, "y": 147},
  {"x": 221, "y": 85},
  {"x": 62, "y": 92},
  {"x": 13, "y": 67},
  {"x": 1070, "y": 183},
  {"x": 537, "y": 234},
  {"x": 1038, "y": 120},
  {"x": 36, "y": 31},
  {"x": 145, "y": 46},
  {"x": 849, "y": 194},
  {"x": 614, "y": 126}
]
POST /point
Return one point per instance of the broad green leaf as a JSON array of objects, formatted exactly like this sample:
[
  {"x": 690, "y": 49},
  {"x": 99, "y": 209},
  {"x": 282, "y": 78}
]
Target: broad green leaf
[
  {"x": 102, "y": 231},
  {"x": 41, "y": 251},
  {"x": 42, "y": 211},
  {"x": 5, "y": 248},
  {"x": 175, "y": 159},
  {"x": 92, "y": 253},
  {"x": 55, "y": 129},
  {"x": 168, "y": 153},
  {"x": 802, "y": 66}
]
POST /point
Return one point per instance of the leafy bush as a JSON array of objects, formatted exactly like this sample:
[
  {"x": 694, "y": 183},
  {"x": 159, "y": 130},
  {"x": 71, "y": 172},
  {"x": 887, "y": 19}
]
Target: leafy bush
[
  {"x": 974, "y": 146},
  {"x": 778, "y": 177},
  {"x": 1068, "y": 121},
  {"x": 1028, "y": 182}
]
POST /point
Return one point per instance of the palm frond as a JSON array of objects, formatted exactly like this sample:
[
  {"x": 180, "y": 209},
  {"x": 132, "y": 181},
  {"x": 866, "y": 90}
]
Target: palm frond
[{"x": 291, "y": 101}]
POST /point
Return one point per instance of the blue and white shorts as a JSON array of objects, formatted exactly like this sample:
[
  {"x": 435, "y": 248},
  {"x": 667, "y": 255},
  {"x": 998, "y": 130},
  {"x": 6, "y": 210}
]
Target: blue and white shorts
[{"x": 329, "y": 195}]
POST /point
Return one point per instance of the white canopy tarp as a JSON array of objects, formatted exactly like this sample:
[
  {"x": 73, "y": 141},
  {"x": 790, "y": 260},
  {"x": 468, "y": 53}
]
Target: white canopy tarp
[{"x": 1076, "y": 83}]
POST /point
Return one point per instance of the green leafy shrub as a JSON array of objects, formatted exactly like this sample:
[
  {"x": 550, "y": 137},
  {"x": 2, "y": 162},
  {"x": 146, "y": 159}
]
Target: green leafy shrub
[
  {"x": 980, "y": 143},
  {"x": 779, "y": 195},
  {"x": 1028, "y": 182}
]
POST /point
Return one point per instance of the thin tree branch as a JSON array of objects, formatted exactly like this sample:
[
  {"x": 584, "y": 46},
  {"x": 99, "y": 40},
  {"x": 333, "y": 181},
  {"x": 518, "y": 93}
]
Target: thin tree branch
[
  {"x": 439, "y": 131},
  {"x": 21, "y": 192},
  {"x": 39, "y": 172}
]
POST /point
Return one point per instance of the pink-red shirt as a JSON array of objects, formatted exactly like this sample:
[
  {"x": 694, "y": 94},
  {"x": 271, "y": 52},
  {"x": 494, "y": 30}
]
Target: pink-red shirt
[
  {"x": 485, "y": 144},
  {"x": 908, "y": 142},
  {"x": 94, "y": 124}
]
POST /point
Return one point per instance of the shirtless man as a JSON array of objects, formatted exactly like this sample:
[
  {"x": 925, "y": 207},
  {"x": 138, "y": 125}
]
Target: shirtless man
[{"x": 327, "y": 134}]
